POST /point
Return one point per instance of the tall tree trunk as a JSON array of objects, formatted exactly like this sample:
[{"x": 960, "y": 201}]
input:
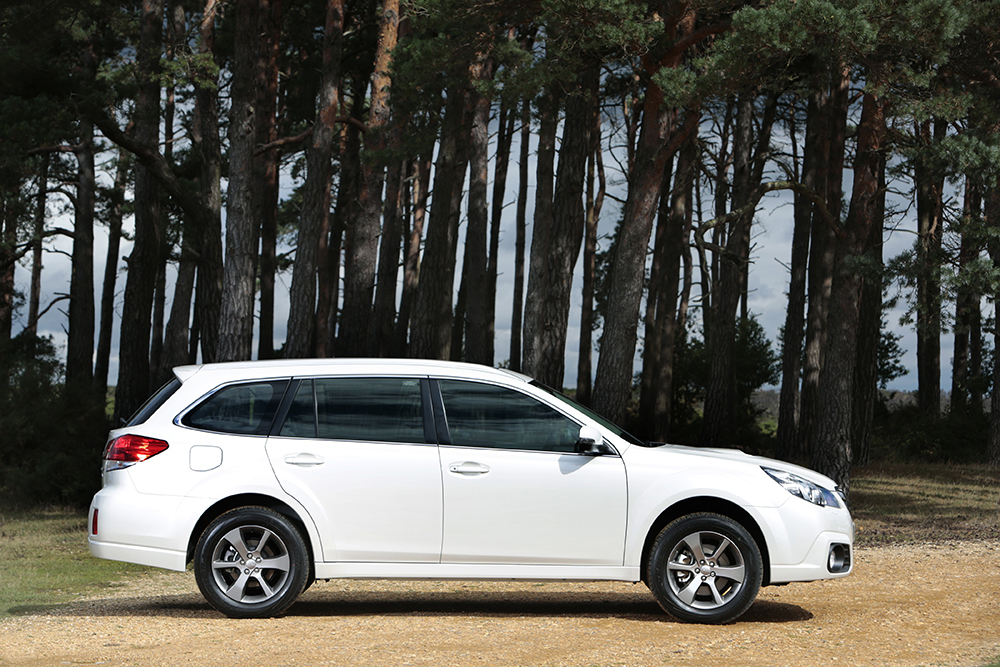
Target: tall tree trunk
[
  {"x": 821, "y": 260},
  {"x": 384, "y": 311},
  {"x": 133, "y": 370},
  {"x": 505, "y": 135},
  {"x": 865, "y": 394},
  {"x": 316, "y": 193},
  {"x": 80, "y": 343},
  {"x": 720, "y": 398},
  {"x": 117, "y": 198},
  {"x": 430, "y": 333},
  {"x": 535, "y": 317},
  {"x": 652, "y": 327},
  {"x": 421, "y": 175},
  {"x": 41, "y": 200},
  {"x": 930, "y": 221},
  {"x": 8, "y": 239},
  {"x": 354, "y": 338},
  {"x": 520, "y": 238},
  {"x": 967, "y": 300},
  {"x": 566, "y": 235},
  {"x": 242, "y": 230},
  {"x": 479, "y": 331},
  {"x": 594, "y": 204},
  {"x": 208, "y": 293},
  {"x": 791, "y": 359},
  {"x": 657, "y": 140},
  {"x": 832, "y": 454},
  {"x": 991, "y": 214},
  {"x": 667, "y": 317},
  {"x": 267, "y": 198}
]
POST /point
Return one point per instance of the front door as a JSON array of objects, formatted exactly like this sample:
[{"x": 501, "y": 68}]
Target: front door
[{"x": 515, "y": 490}]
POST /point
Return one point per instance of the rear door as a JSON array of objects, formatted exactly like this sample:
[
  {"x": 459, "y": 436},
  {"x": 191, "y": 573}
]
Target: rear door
[{"x": 355, "y": 452}]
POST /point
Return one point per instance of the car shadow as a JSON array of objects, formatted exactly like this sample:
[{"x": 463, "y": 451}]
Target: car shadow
[{"x": 475, "y": 603}]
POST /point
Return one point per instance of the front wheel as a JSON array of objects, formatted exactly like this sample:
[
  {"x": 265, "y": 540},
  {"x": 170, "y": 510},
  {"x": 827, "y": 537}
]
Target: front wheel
[
  {"x": 705, "y": 568},
  {"x": 251, "y": 562}
]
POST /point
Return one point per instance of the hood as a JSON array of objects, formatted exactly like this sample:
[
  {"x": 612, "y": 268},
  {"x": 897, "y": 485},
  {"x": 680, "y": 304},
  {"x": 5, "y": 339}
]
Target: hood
[{"x": 736, "y": 455}]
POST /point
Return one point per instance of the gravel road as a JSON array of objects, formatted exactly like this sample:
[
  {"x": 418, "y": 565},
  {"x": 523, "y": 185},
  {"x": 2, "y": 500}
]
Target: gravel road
[{"x": 933, "y": 604}]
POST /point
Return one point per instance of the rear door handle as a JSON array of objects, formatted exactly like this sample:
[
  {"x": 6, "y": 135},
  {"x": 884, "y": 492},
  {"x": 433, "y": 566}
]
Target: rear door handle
[
  {"x": 469, "y": 468},
  {"x": 304, "y": 459}
]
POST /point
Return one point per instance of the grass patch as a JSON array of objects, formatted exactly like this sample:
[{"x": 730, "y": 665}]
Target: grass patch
[
  {"x": 44, "y": 560},
  {"x": 902, "y": 503}
]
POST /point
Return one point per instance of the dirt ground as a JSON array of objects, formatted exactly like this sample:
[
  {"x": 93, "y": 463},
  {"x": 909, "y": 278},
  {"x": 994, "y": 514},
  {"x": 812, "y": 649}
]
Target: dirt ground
[{"x": 929, "y": 604}]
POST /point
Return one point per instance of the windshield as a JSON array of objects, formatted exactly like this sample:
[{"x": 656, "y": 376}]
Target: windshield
[{"x": 617, "y": 430}]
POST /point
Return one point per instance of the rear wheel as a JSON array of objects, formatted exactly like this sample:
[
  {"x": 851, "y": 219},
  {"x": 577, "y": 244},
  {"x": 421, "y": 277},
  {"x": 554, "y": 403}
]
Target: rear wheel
[
  {"x": 251, "y": 562},
  {"x": 705, "y": 568}
]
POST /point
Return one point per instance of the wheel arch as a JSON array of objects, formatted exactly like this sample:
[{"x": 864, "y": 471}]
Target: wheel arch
[
  {"x": 706, "y": 504},
  {"x": 248, "y": 500}
]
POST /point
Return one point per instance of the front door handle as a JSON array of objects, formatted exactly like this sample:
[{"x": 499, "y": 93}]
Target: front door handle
[
  {"x": 469, "y": 468},
  {"x": 304, "y": 459}
]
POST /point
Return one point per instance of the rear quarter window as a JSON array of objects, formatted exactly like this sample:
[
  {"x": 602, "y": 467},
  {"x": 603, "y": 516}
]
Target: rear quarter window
[
  {"x": 242, "y": 409},
  {"x": 154, "y": 402}
]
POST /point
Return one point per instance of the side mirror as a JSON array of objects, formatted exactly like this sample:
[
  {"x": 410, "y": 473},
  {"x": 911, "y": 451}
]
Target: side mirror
[{"x": 591, "y": 442}]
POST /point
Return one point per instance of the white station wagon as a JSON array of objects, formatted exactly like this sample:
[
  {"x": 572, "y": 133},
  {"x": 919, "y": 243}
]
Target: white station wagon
[{"x": 270, "y": 475}]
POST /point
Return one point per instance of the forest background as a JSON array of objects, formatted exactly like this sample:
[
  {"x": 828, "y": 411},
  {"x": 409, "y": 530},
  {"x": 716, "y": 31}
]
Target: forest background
[{"x": 361, "y": 169}]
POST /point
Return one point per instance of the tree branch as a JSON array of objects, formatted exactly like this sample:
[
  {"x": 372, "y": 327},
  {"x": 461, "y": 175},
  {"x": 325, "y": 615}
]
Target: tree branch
[
  {"x": 773, "y": 186},
  {"x": 299, "y": 138},
  {"x": 154, "y": 162}
]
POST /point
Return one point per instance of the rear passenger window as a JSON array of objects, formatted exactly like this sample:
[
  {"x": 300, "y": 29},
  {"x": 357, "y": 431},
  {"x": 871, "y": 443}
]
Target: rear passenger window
[
  {"x": 366, "y": 409},
  {"x": 244, "y": 409}
]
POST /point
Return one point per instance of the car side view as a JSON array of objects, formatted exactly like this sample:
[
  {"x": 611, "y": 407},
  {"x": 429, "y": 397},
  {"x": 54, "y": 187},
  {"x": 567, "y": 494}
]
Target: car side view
[{"x": 270, "y": 475}]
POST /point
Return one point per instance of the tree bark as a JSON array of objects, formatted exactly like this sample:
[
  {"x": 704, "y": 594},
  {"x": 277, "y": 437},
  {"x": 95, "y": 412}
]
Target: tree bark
[
  {"x": 80, "y": 343},
  {"x": 930, "y": 221},
  {"x": 720, "y": 397},
  {"x": 354, "y": 338},
  {"x": 421, "y": 175},
  {"x": 242, "y": 230},
  {"x": 41, "y": 201},
  {"x": 541, "y": 234},
  {"x": 821, "y": 260},
  {"x": 430, "y": 333},
  {"x": 478, "y": 319},
  {"x": 117, "y": 200},
  {"x": 316, "y": 193},
  {"x": 520, "y": 238},
  {"x": 656, "y": 142},
  {"x": 991, "y": 214},
  {"x": 594, "y": 204},
  {"x": 208, "y": 293},
  {"x": 267, "y": 197},
  {"x": 791, "y": 360},
  {"x": 966, "y": 300},
  {"x": 667, "y": 315},
  {"x": 865, "y": 392},
  {"x": 832, "y": 454},
  {"x": 133, "y": 370}
]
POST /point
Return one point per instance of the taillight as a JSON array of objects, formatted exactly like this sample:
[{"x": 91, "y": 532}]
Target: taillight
[
  {"x": 126, "y": 450},
  {"x": 93, "y": 526}
]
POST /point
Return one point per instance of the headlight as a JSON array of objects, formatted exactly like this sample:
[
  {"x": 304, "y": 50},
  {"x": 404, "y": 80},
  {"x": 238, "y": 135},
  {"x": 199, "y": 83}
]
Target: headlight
[{"x": 803, "y": 488}]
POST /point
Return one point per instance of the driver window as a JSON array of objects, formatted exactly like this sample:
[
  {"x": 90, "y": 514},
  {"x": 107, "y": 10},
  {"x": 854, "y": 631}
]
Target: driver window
[{"x": 484, "y": 415}]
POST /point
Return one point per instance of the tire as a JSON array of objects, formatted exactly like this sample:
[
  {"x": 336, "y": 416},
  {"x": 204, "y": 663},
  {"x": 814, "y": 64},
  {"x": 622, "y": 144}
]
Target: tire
[
  {"x": 251, "y": 562},
  {"x": 705, "y": 568}
]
